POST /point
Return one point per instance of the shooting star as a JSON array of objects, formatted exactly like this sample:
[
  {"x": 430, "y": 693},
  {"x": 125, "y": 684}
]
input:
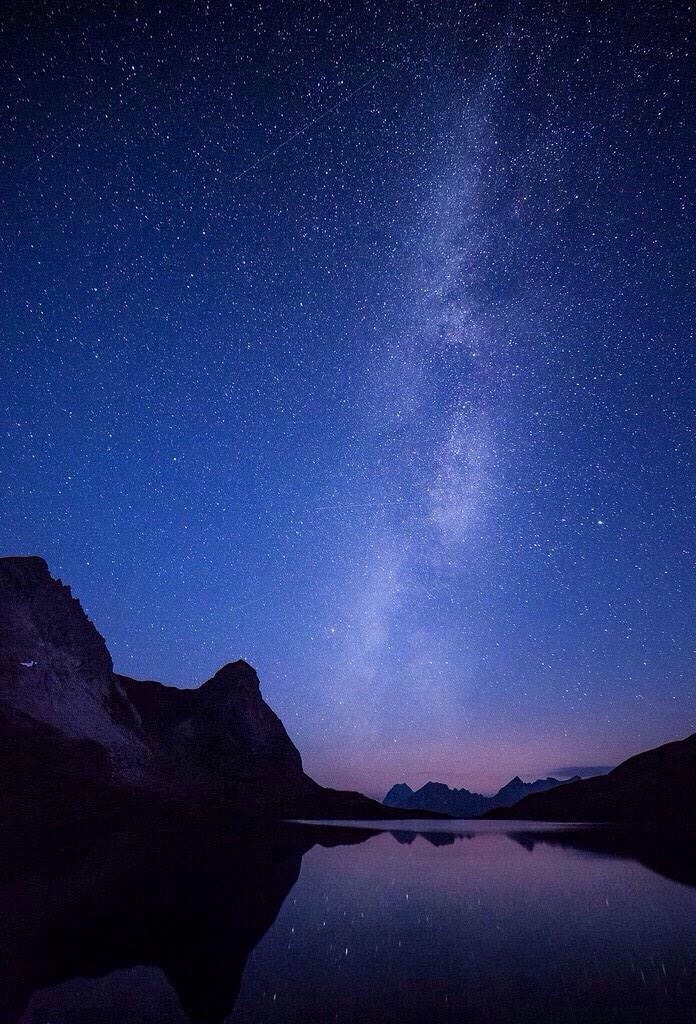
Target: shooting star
[{"x": 305, "y": 128}]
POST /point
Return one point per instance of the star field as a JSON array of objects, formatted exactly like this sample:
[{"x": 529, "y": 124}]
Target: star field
[{"x": 356, "y": 342}]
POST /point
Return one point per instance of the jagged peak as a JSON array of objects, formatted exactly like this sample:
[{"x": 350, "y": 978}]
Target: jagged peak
[
  {"x": 232, "y": 674},
  {"x": 41, "y": 614}
]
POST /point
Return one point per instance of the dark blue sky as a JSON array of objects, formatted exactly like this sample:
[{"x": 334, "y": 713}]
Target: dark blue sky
[{"x": 354, "y": 340}]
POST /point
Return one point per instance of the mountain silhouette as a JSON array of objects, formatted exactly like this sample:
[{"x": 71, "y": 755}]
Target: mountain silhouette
[
  {"x": 461, "y": 803},
  {"x": 80, "y": 741},
  {"x": 658, "y": 786}
]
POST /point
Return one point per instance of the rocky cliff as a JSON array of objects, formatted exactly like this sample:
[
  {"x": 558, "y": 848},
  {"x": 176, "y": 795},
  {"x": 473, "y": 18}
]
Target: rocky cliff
[
  {"x": 75, "y": 737},
  {"x": 55, "y": 668},
  {"x": 221, "y": 737},
  {"x": 56, "y": 674}
]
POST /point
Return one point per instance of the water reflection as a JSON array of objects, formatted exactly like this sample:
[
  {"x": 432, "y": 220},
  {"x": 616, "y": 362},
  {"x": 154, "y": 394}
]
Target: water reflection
[
  {"x": 672, "y": 855},
  {"x": 194, "y": 906},
  {"x": 438, "y": 922}
]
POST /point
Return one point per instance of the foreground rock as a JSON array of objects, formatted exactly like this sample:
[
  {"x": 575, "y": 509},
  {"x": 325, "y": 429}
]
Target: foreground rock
[
  {"x": 79, "y": 740},
  {"x": 658, "y": 786}
]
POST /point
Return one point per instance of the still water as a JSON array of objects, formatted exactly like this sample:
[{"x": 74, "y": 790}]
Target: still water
[{"x": 488, "y": 922}]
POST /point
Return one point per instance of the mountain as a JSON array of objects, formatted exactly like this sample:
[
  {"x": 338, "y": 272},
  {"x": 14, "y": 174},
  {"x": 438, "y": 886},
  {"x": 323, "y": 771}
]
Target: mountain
[
  {"x": 398, "y": 796},
  {"x": 219, "y": 738},
  {"x": 461, "y": 803},
  {"x": 516, "y": 789},
  {"x": 78, "y": 739},
  {"x": 58, "y": 687},
  {"x": 55, "y": 668},
  {"x": 437, "y": 797},
  {"x": 656, "y": 786}
]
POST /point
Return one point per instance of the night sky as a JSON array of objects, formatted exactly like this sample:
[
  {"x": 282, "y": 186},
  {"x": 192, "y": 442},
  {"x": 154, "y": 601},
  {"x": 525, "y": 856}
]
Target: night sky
[{"x": 353, "y": 339}]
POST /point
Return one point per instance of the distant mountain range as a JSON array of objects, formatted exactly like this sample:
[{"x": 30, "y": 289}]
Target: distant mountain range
[
  {"x": 461, "y": 803},
  {"x": 658, "y": 786}
]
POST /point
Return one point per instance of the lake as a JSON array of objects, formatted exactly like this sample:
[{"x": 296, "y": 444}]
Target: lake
[{"x": 434, "y": 922}]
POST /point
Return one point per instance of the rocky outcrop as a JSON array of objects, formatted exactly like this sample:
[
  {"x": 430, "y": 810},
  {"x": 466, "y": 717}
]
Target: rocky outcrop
[
  {"x": 657, "y": 786},
  {"x": 461, "y": 803},
  {"x": 58, "y": 691},
  {"x": 78, "y": 739},
  {"x": 55, "y": 668},
  {"x": 220, "y": 738}
]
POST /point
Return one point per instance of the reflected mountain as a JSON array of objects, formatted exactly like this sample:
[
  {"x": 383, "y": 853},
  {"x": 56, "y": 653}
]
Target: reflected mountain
[
  {"x": 194, "y": 902},
  {"x": 405, "y": 838},
  {"x": 439, "y": 838},
  {"x": 671, "y": 854},
  {"x": 194, "y": 905}
]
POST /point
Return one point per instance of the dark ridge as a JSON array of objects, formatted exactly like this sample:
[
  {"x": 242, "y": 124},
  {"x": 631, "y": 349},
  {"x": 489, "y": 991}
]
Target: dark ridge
[
  {"x": 84, "y": 742},
  {"x": 658, "y": 785}
]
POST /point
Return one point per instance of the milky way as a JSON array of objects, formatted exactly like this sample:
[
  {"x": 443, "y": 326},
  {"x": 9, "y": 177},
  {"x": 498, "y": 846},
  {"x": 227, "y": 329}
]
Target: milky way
[{"x": 356, "y": 343}]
